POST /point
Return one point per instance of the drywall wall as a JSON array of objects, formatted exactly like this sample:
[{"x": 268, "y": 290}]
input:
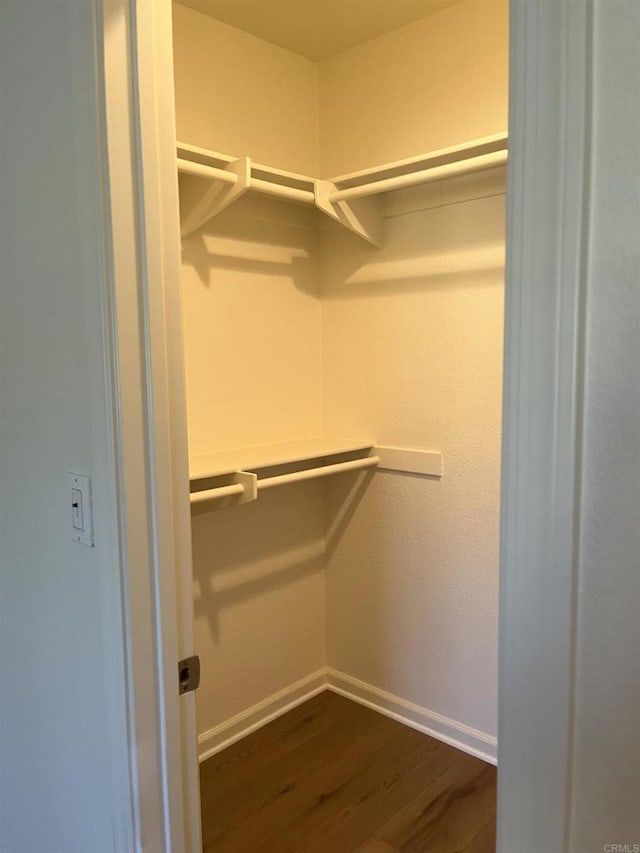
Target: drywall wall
[
  {"x": 252, "y": 319},
  {"x": 606, "y": 778},
  {"x": 240, "y": 95},
  {"x": 252, "y": 327},
  {"x": 253, "y": 365},
  {"x": 64, "y": 766},
  {"x": 412, "y": 349},
  {"x": 259, "y": 601},
  {"x": 434, "y": 83}
]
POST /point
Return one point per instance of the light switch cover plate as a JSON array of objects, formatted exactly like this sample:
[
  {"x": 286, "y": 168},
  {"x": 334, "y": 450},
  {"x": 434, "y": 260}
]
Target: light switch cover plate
[{"x": 80, "y": 508}]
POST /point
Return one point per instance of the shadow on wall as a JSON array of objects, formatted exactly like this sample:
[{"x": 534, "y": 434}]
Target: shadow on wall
[
  {"x": 458, "y": 245},
  {"x": 256, "y": 549},
  {"x": 272, "y": 240},
  {"x": 348, "y": 491},
  {"x": 253, "y": 550}
]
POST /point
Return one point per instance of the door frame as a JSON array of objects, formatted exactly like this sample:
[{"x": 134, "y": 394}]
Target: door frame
[
  {"x": 547, "y": 242},
  {"x": 144, "y": 336},
  {"x": 547, "y": 218}
]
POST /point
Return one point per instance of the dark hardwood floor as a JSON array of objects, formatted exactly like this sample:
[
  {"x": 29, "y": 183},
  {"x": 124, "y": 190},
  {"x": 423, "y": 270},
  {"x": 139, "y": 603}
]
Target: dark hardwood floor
[{"x": 333, "y": 777}]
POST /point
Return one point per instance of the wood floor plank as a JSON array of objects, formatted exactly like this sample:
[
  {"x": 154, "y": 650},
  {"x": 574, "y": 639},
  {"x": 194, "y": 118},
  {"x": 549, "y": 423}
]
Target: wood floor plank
[
  {"x": 309, "y": 780},
  {"x": 484, "y": 841},
  {"x": 257, "y": 805},
  {"x": 448, "y": 814},
  {"x": 377, "y": 793},
  {"x": 269, "y": 743},
  {"x": 374, "y": 845},
  {"x": 333, "y": 777}
]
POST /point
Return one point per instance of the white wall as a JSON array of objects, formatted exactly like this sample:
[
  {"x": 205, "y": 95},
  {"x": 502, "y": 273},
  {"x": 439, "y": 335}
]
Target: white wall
[
  {"x": 606, "y": 786},
  {"x": 252, "y": 319},
  {"x": 412, "y": 355},
  {"x": 253, "y": 358},
  {"x": 237, "y": 94},
  {"x": 63, "y": 765},
  {"x": 412, "y": 349},
  {"x": 259, "y": 601},
  {"x": 253, "y": 362},
  {"x": 434, "y": 83}
]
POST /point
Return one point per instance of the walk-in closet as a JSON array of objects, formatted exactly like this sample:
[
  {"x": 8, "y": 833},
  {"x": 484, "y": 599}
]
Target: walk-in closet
[{"x": 342, "y": 169}]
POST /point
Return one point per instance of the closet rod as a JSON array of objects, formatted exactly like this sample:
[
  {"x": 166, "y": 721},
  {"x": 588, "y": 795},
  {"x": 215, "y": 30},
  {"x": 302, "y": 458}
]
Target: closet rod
[
  {"x": 435, "y": 173},
  {"x": 203, "y": 171},
  {"x": 219, "y": 492},
  {"x": 322, "y": 471},
  {"x": 282, "y": 191}
]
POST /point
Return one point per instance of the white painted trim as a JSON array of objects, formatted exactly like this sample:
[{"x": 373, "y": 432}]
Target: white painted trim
[
  {"x": 547, "y": 204},
  {"x": 131, "y": 430},
  {"x": 435, "y": 725},
  {"x": 150, "y": 434},
  {"x": 129, "y": 815},
  {"x": 235, "y": 728},
  {"x": 153, "y": 132}
]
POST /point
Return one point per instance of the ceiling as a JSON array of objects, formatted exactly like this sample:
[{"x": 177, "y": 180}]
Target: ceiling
[{"x": 317, "y": 28}]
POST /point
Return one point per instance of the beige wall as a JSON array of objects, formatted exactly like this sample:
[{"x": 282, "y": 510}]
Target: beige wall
[
  {"x": 240, "y": 95},
  {"x": 253, "y": 323},
  {"x": 412, "y": 352},
  {"x": 438, "y": 82},
  {"x": 252, "y": 318},
  {"x": 259, "y": 587},
  {"x": 434, "y": 83}
]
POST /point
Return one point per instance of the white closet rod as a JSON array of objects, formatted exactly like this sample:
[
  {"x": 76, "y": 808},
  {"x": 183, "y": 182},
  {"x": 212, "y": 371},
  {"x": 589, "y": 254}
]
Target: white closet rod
[
  {"x": 322, "y": 471},
  {"x": 282, "y": 191},
  {"x": 435, "y": 173},
  {"x": 201, "y": 170},
  {"x": 214, "y": 494},
  {"x": 297, "y": 476}
]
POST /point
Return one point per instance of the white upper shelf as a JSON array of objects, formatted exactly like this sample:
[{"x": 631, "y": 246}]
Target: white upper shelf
[
  {"x": 206, "y": 466},
  {"x": 211, "y": 181}
]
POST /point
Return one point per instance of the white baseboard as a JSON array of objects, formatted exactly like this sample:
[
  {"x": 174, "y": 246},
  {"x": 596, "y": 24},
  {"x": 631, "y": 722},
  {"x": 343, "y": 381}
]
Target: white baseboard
[
  {"x": 456, "y": 734},
  {"x": 235, "y": 728},
  {"x": 449, "y": 731}
]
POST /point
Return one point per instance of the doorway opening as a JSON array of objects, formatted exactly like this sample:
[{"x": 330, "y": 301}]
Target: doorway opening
[{"x": 342, "y": 199}]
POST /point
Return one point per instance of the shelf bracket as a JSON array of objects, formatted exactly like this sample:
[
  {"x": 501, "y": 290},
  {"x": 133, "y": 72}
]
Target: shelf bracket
[
  {"x": 242, "y": 488},
  {"x": 425, "y": 462},
  {"x": 249, "y": 481},
  {"x": 363, "y": 216},
  {"x": 198, "y": 205}
]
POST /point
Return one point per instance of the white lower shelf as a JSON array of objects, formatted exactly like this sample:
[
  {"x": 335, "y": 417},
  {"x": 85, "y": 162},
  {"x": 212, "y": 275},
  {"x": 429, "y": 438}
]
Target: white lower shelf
[
  {"x": 231, "y": 476},
  {"x": 208, "y": 465}
]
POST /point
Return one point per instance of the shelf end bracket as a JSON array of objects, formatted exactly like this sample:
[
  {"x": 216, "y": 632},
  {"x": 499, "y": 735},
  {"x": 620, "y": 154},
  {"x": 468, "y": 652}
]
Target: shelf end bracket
[
  {"x": 363, "y": 216},
  {"x": 201, "y": 206}
]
